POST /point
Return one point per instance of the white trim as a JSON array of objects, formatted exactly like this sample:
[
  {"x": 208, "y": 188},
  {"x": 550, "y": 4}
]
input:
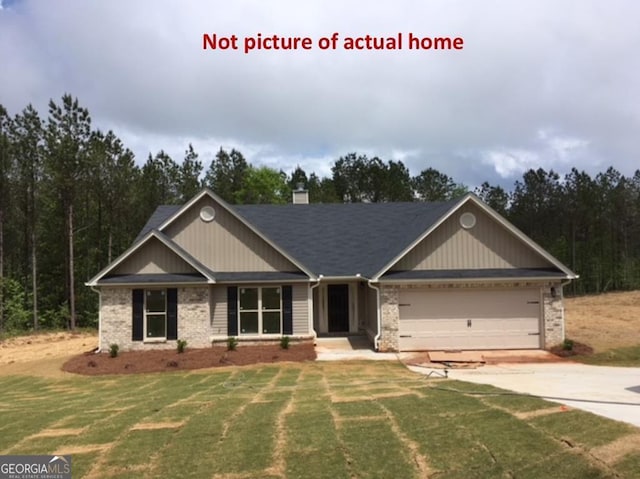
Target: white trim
[
  {"x": 470, "y": 280},
  {"x": 151, "y": 285},
  {"x": 99, "y": 316},
  {"x": 310, "y": 289},
  {"x": 262, "y": 281},
  {"x": 136, "y": 246},
  {"x": 145, "y": 313},
  {"x": 260, "y": 310},
  {"x": 376, "y": 338},
  {"x": 495, "y": 215},
  {"x": 231, "y": 211}
]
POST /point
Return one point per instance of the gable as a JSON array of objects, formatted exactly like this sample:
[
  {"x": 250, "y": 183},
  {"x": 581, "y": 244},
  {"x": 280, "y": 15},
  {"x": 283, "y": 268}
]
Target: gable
[
  {"x": 488, "y": 244},
  {"x": 224, "y": 244},
  {"x": 153, "y": 258}
]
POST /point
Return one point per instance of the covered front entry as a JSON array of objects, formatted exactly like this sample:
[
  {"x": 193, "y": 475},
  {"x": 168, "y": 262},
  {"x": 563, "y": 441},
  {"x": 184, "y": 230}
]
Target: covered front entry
[
  {"x": 338, "y": 308},
  {"x": 469, "y": 319}
]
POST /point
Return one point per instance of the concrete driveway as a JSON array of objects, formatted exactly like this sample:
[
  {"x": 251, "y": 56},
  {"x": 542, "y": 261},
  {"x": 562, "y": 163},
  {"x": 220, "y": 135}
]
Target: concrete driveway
[{"x": 606, "y": 391}]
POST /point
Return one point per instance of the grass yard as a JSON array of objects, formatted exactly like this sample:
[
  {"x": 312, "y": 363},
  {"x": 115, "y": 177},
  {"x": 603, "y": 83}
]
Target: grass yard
[{"x": 311, "y": 420}]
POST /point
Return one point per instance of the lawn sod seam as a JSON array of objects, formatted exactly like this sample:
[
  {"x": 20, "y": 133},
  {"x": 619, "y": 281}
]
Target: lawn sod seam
[
  {"x": 306, "y": 420},
  {"x": 517, "y": 401}
]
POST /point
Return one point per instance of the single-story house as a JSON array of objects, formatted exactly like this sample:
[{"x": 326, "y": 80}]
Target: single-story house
[{"x": 411, "y": 276}]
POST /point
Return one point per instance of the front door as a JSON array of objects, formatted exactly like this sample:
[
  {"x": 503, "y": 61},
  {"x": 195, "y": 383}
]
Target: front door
[{"x": 338, "y": 308}]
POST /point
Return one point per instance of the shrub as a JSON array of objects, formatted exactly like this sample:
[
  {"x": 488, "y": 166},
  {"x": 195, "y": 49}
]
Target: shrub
[
  {"x": 182, "y": 344},
  {"x": 113, "y": 350},
  {"x": 232, "y": 343},
  {"x": 567, "y": 345},
  {"x": 284, "y": 342}
]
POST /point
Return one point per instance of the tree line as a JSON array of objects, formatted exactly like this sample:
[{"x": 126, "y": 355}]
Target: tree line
[{"x": 73, "y": 197}]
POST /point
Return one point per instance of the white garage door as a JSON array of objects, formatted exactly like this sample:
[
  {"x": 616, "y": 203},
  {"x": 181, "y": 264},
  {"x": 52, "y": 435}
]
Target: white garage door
[{"x": 469, "y": 319}]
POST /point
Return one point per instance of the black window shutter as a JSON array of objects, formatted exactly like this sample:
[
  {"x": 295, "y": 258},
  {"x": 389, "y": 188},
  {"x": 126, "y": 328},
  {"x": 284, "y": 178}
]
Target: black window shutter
[
  {"x": 232, "y": 311},
  {"x": 287, "y": 310},
  {"x": 137, "y": 323},
  {"x": 172, "y": 313}
]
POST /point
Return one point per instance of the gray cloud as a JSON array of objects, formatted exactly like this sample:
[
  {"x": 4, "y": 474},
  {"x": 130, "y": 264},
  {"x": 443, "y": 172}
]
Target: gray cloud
[{"x": 539, "y": 83}]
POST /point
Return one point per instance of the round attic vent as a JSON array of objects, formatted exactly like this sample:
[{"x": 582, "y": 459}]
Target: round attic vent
[
  {"x": 467, "y": 220},
  {"x": 207, "y": 214}
]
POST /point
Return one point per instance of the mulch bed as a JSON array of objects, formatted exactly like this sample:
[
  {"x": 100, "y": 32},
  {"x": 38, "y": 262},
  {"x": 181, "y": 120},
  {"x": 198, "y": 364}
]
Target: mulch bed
[
  {"x": 132, "y": 362},
  {"x": 579, "y": 349}
]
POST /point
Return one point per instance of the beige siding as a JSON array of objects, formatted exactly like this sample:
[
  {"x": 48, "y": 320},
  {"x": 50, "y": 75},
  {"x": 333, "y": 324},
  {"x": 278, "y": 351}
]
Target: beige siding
[
  {"x": 300, "y": 309},
  {"x": 153, "y": 257},
  {"x": 487, "y": 245},
  {"x": 218, "y": 308},
  {"x": 224, "y": 244}
]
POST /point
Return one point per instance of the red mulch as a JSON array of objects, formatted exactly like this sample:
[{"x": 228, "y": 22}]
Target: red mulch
[
  {"x": 579, "y": 349},
  {"x": 132, "y": 362}
]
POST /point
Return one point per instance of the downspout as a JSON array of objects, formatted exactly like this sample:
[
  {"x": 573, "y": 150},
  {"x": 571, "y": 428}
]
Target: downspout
[
  {"x": 311, "y": 303},
  {"x": 376, "y": 338},
  {"x": 99, "y": 317}
]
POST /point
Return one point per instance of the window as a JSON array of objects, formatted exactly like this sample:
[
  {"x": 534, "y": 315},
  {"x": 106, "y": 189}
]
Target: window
[
  {"x": 155, "y": 313},
  {"x": 260, "y": 310}
]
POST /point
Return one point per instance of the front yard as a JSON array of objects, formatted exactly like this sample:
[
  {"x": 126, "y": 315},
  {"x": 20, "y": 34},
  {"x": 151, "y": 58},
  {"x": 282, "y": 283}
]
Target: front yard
[{"x": 311, "y": 420}]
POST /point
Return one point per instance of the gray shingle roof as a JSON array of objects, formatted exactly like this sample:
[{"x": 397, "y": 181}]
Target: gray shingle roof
[
  {"x": 344, "y": 239},
  {"x": 159, "y": 216},
  {"x": 335, "y": 239},
  {"x": 348, "y": 239}
]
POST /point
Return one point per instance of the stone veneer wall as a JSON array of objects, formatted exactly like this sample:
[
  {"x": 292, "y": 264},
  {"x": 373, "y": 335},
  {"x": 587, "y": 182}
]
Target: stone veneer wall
[
  {"x": 390, "y": 319},
  {"x": 193, "y": 319},
  {"x": 553, "y": 315},
  {"x": 552, "y": 310},
  {"x": 194, "y": 323},
  {"x": 115, "y": 318}
]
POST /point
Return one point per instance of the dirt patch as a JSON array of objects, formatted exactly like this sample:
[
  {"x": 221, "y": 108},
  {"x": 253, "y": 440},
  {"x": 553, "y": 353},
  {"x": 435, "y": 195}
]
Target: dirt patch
[
  {"x": 45, "y": 345},
  {"x": 604, "y": 321},
  {"x": 148, "y": 426},
  {"x": 71, "y": 450},
  {"x": 169, "y": 360},
  {"x": 616, "y": 450},
  {"x": 539, "y": 412},
  {"x": 58, "y": 432}
]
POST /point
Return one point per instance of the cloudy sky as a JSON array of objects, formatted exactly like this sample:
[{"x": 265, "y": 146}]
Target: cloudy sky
[{"x": 539, "y": 83}]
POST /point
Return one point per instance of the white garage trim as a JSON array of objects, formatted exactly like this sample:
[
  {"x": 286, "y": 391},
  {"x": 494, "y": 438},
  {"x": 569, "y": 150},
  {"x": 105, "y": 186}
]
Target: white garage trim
[{"x": 470, "y": 319}]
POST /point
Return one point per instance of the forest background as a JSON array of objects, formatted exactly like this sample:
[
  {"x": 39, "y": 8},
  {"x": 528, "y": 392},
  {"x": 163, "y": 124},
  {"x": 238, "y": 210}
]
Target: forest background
[{"x": 72, "y": 198}]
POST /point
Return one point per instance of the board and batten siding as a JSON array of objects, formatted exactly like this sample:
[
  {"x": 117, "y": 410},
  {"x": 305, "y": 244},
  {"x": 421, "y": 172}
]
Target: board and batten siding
[
  {"x": 224, "y": 244},
  {"x": 153, "y": 258},
  {"x": 300, "y": 309},
  {"x": 218, "y": 307},
  {"x": 487, "y": 245}
]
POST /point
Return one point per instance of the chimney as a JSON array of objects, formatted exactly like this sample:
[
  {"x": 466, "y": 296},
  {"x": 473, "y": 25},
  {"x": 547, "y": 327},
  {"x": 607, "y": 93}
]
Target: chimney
[{"x": 300, "y": 195}]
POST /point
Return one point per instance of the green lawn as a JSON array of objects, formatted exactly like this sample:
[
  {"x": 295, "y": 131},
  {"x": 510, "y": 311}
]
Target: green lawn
[{"x": 315, "y": 420}]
